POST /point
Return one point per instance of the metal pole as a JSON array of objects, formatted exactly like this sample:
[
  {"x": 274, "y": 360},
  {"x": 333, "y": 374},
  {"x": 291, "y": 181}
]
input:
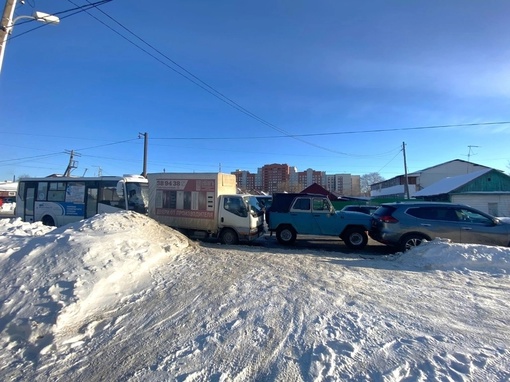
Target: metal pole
[
  {"x": 145, "y": 148},
  {"x": 70, "y": 166},
  {"x": 5, "y": 27},
  {"x": 406, "y": 179}
]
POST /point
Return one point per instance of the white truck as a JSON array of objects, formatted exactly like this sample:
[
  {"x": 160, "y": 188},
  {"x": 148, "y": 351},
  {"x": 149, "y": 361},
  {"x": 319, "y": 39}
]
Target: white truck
[{"x": 205, "y": 204}]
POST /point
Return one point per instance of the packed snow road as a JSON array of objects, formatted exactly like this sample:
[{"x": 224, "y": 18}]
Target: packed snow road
[
  {"x": 120, "y": 298},
  {"x": 322, "y": 243}
]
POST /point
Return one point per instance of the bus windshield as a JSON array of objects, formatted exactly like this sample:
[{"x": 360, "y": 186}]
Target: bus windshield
[{"x": 138, "y": 196}]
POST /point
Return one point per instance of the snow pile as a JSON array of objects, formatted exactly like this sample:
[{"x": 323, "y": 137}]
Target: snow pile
[
  {"x": 442, "y": 254},
  {"x": 120, "y": 297},
  {"x": 75, "y": 271}
]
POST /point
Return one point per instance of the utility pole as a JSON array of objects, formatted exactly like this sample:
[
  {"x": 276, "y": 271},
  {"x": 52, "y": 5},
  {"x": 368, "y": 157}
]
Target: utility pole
[
  {"x": 6, "y": 22},
  {"x": 406, "y": 179},
  {"x": 145, "y": 147},
  {"x": 72, "y": 163}
]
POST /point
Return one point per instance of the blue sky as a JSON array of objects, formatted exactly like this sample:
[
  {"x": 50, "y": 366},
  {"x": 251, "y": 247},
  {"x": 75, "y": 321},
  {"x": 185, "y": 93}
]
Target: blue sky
[{"x": 335, "y": 86}]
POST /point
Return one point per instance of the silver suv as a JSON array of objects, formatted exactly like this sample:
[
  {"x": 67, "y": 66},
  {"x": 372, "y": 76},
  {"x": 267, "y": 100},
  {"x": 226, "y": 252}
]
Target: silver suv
[{"x": 405, "y": 225}]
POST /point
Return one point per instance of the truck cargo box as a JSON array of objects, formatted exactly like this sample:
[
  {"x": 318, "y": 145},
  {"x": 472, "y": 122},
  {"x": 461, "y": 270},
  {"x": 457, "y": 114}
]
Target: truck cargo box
[{"x": 188, "y": 200}]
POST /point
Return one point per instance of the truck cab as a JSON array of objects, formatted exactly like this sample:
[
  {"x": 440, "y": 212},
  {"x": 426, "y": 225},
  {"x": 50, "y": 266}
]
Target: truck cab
[
  {"x": 310, "y": 214},
  {"x": 240, "y": 219}
]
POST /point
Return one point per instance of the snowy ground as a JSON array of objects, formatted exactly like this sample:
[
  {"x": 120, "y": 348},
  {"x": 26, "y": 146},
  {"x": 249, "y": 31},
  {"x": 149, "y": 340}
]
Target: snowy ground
[{"x": 120, "y": 298}]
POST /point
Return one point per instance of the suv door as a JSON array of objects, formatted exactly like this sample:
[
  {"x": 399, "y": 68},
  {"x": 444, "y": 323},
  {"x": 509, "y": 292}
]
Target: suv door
[
  {"x": 326, "y": 220},
  {"x": 476, "y": 228},
  {"x": 435, "y": 222},
  {"x": 300, "y": 215}
]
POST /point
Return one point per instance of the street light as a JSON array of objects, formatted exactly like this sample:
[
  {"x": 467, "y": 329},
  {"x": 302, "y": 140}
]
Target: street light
[{"x": 7, "y": 24}]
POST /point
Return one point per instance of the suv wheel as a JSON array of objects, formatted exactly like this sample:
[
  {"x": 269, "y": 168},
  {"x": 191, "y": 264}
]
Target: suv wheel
[
  {"x": 286, "y": 235},
  {"x": 410, "y": 241},
  {"x": 355, "y": 238}
]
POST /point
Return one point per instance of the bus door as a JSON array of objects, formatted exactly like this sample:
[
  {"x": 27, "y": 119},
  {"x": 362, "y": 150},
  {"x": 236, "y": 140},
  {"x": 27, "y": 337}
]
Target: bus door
[
  {"x": 91, "y": 202},
  {"x": 29, "y": 198}
]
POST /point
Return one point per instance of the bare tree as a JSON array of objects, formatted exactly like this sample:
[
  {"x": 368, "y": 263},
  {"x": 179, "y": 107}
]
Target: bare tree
[{"x": 368, "y": 179}]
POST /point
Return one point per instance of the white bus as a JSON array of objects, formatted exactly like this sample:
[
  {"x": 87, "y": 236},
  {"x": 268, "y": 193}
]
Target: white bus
[{"x": 57, "y": 201}]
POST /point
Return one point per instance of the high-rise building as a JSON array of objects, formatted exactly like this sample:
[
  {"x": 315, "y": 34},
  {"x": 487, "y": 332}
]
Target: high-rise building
[
  {"x": 248, "y": 182},
  {"x": 274, "y": 176},
  {"x": 344, "y": 184},
  {"x": 303, "y": 179}
]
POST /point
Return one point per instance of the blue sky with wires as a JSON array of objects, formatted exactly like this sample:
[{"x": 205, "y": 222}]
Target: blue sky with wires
[{"x": 336, "y": 86}]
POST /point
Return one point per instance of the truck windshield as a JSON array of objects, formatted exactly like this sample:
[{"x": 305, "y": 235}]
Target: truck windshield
[{"x": 254, "y": 204}]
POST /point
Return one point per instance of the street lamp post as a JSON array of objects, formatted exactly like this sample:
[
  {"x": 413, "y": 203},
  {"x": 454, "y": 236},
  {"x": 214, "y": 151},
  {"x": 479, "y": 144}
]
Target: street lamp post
[{"x": 7, "y": 23}]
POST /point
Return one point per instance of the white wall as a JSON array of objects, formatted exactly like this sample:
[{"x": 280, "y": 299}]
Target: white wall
[{"x": 481, "y": 202}]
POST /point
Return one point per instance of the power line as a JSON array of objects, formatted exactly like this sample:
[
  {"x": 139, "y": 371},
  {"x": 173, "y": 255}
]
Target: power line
[
  {"x": 280, "y": 136},
  {"x": 108, "y": 144},
  {"x": 391, "y": 160},
  {"x": 32, "y": 157},
  {"x": 61, "y": 152},
  {"x": 198, "y": 82},
  {"x": 341, "y": 132}
]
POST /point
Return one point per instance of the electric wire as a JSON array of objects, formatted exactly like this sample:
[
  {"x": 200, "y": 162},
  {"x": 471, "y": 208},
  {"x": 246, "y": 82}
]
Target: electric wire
[
  {"x": 342, "y": 132},
  {"x": 200, "y": 83},
  {"x": 107, "y": 144},
  {"x": 391, "y": 160},
  {"x": 32, "y": 157},
  {"x": 62, "y": 152}
]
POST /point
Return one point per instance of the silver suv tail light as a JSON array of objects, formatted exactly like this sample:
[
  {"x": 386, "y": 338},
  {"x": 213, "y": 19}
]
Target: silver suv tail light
[{"x": 388, "y": 219}]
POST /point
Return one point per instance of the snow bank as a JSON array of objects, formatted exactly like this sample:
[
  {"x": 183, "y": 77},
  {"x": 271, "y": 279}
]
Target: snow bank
[
  {"x": 442, "y": 254},
  {"x": 55, "y": 277}
]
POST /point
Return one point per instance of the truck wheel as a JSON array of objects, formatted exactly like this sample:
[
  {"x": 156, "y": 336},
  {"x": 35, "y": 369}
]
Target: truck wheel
[
  {"x": 48, "y": 220},
  {"x": 355, "y": 238},
  {"x": 286, "y": 235},
  {"x": 229, "y": 236}
]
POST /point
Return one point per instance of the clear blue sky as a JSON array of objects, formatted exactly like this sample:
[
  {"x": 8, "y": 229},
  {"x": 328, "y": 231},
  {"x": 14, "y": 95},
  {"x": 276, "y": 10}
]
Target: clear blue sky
[{"x": 336, "y": 86}]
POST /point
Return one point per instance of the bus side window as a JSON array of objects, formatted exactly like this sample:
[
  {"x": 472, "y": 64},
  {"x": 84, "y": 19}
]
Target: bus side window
[
  {"x": 57, "y": 192},
  {"x": 42, "y": 190},
  {"x": 56, "y": 196},
  {"x": 108, "y": 195}
]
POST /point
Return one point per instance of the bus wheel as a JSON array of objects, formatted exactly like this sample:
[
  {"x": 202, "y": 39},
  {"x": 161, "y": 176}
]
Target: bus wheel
[{"x": 48, "y": 220}]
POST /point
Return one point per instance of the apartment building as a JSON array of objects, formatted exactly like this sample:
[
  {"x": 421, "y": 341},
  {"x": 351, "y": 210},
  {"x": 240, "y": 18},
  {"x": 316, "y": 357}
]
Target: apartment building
[
  {"x": 344, "y": 184},
  {"x": 276, "y": 177}
]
